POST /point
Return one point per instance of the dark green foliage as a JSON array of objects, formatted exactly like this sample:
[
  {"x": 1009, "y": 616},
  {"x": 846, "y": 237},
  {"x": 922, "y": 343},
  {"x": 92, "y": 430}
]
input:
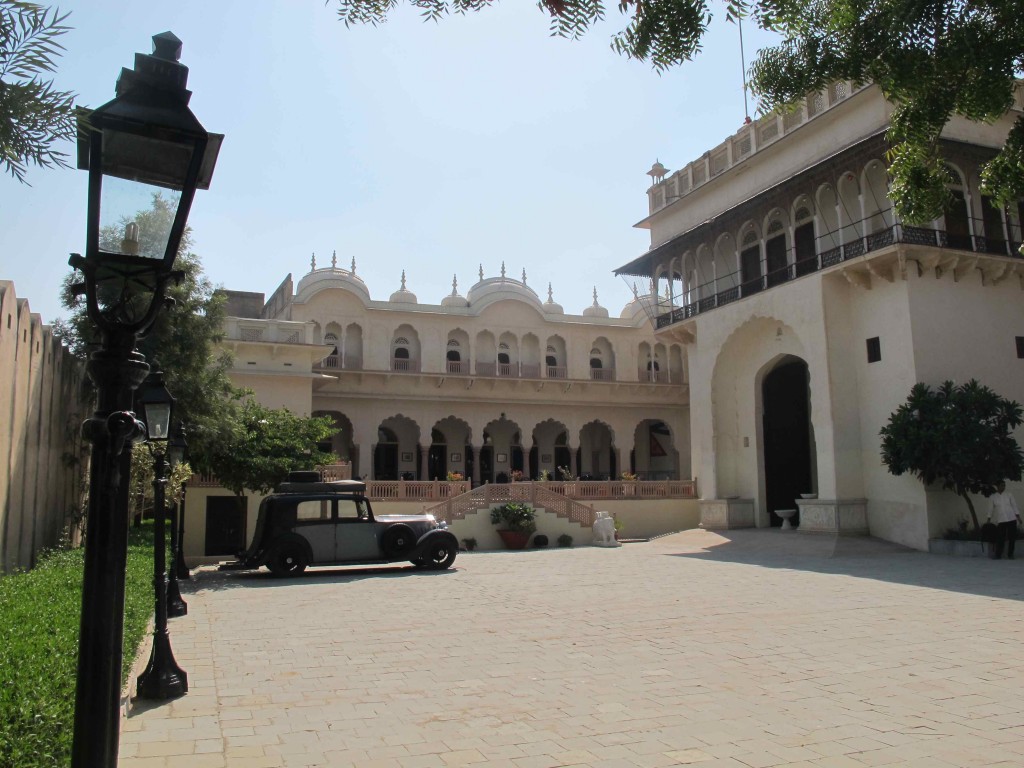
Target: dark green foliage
[
  {"x": 33, "y": 115},
  {"x": 932, "y": 59},
  {"x": 263, "y": 445},
  {"x": 515, "y": 516},
  {"x": 957, "y": 436},
  {"x": 565, "y": 540},
  {"x": 39, "y": 617}
]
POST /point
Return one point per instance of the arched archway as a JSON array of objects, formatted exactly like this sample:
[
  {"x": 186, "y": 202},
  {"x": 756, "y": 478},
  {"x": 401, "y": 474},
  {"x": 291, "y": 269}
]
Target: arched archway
[
  {"x": 396, "y": 456},
  {"x": 597, "y": 452},
  {"x": 654, "y": 455},
  {"x": 786, "y": 443},
  {"x": 341, "y": 443}
]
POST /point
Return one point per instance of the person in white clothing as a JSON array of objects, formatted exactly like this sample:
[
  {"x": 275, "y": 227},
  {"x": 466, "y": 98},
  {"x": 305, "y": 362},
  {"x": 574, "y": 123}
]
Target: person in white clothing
[{"x": 1006, "y": 516}]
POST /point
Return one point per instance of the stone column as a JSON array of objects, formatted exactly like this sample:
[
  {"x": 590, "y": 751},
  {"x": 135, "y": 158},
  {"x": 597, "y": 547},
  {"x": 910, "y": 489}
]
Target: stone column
[
  {"x": 425, "y": 463},
  {"x": 371, "y": 470},
  {"x": 573, "y": 469},
  {"x": 476, "y": 466}
]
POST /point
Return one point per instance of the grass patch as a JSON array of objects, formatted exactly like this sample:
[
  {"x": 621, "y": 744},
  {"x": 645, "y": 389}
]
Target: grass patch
[{"x": 39, "y": 623}]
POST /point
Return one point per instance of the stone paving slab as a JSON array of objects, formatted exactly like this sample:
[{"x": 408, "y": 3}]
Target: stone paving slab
[{"x": 738, "y": 649}]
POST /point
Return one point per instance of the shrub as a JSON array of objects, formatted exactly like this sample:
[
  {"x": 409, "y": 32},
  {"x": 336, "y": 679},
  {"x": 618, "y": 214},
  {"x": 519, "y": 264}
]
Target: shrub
[
  {"x": 39, "y": 623},
  {"x": 540, "y": 541},
  {"x": 565, "y": 540},
  {"x": 515, "y": 516}
]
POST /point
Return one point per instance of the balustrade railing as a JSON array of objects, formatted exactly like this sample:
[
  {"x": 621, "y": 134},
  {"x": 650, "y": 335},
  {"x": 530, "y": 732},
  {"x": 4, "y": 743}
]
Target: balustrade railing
[
  {"x": 455, "y": 366},
  {"x": 557, "y": 372},
  {"x": 404, "y": 365},
  {"x": 828, "y": 255},
  {"x": 602, "y": 374}
]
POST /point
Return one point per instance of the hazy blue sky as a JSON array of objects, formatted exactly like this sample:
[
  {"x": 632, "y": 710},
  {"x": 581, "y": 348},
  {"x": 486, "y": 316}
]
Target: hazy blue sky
[{"x": 423, "y": 147}]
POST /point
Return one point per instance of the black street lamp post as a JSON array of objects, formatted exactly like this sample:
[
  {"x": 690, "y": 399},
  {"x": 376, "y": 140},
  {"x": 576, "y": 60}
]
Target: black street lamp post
[
  {"x": 145, "y": 140},
  {"x": 176, "y": 605},
  {"x": 162, "y": 678}
]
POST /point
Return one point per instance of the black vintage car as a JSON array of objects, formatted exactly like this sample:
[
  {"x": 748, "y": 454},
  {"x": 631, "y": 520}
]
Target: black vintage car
[{"x": 316, "y": 523}]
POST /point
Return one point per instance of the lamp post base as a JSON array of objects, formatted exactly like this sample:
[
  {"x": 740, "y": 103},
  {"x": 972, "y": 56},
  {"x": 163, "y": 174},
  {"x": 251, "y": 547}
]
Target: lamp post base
[
  {"x": 176, "y": 605},
  {"x": 163, "y": 678}
]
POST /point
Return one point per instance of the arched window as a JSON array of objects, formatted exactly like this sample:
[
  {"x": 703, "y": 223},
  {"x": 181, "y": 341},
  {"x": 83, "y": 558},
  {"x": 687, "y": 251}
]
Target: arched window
[
  {"x": 551, "y": 361},
  {"x": 803, "y": 242},
  {"x": 503, "y": 358},
  {"x": 401, "y": 353}
]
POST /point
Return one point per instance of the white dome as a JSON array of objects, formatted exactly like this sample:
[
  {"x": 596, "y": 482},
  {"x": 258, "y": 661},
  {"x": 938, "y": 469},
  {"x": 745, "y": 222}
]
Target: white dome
[
  {"x": 595, "y": 309},
  {"x": 552, "y": 307},
  {"x": 454, "y": 299},
  {"x": 403, "y": 295}
]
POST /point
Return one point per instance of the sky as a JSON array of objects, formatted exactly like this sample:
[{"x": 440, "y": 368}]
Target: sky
[{"x": 423, "y": 147}]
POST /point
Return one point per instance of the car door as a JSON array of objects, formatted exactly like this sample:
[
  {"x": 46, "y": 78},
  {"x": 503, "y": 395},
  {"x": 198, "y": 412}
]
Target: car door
[
  {"x": 314, "y": 521},
  {"x": 355, "y": 534}
]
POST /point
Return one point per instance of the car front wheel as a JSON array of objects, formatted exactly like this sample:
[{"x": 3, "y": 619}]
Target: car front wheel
[
  {"x": 439, "y": 556},
  {"x": 288, "y": 560}
]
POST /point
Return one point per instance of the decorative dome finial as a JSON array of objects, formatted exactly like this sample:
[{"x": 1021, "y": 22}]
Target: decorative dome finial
[
  {"x": 595, "y": 297},
  {"x": 353, "y": 265},
  {"x": 524, "y": 275},
  {"x": 503, "y": 270},
  {"x": 334, "y": 259},
  {"x": 312, "y": 262},
  {"x": 636, "y": 291},
  {"x": 551, "y": 299},
  {"x": 455, "y": 285},
  {"x": 403, "y": 279},
  {"x": 481, "y": 273}
]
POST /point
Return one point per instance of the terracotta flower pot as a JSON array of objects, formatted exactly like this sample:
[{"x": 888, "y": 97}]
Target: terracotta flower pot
[{"x": 514, "y": 539}]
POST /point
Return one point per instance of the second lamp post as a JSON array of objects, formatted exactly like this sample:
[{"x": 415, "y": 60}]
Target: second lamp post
[{"x": 163, "y": 678}]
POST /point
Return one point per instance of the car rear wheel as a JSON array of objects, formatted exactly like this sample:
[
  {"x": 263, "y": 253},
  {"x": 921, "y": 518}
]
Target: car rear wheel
[
  {"x": 398, "y": 541},
  {"x": 288, "y": 560},
  {"x": 439, "y": 556}
]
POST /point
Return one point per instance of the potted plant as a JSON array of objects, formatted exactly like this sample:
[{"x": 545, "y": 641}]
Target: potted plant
[
  {"x": 619, "y": 525},
  {"x": 516, "y": 475},
  {"x": 565, "y": 540},
  {"x": 517, "y": 521},
  {"x": 628, "y": 484}
]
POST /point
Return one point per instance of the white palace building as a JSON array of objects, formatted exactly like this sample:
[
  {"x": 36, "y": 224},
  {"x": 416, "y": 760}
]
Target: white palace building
[{"x": 789, "y": 314}]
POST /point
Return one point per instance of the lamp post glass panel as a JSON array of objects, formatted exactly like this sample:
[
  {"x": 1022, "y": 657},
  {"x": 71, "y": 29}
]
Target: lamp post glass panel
[
  {"x": 145, "y": 139},
  {"x": 162, "y": 678}
]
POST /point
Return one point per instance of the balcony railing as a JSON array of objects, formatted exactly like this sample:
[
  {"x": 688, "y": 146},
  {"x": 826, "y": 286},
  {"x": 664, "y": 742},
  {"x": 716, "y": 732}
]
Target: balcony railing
[
  {"x": 404, "y": 365},
  {"x": 455, "y": 366},
  {"x": 832, "y": 255},
  {"x": 602, "y": 374},
  {"x": 557, "y": 372},
  {"x": 339, "y": 362},
  {"x": 653, "y": 377}
]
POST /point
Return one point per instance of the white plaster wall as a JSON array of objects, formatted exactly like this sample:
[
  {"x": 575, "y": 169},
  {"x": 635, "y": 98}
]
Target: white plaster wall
[{"x": 896, "y": 505}]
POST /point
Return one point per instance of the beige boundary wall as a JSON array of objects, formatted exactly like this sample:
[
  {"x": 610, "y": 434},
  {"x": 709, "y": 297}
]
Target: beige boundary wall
[
  {"x": 640, "y": 518},
  {"x": 42, "y": 453}
]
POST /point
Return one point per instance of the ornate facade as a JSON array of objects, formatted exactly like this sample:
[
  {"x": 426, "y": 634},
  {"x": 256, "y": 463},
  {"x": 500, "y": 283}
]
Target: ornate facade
[{"x": 488, "y": 385}]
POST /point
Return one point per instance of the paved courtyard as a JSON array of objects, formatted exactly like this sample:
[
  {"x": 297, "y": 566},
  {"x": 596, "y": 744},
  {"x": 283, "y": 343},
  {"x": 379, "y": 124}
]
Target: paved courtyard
[{"x": 743, "y": 649}]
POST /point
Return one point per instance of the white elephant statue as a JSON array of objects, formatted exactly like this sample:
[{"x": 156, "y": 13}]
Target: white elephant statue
[{"x": 604, "y": 531}]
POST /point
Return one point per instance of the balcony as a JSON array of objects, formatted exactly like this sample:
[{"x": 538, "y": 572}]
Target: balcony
[
  {"x": 339, "y": 362},
  {"x": 830, "y": 257},
  {"x": 405, "y": 365},
  {"x": 602, "y": 374}
]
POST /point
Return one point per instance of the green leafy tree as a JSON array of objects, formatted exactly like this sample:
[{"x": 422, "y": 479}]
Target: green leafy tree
[
  {"x": 34, "y": 116},
  {"x": 264, "y": 445},
  {"x": 957, "y": 436},
  {"x": 184, "y": 341},
  {"x": 934, "y": 60}
]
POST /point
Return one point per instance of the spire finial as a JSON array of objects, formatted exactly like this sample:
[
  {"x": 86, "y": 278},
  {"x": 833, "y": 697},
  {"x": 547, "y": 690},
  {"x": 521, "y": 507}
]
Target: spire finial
[
  {"x": 312, "y": 262},
  {"x": 524, "y": 275},
  {"x": 481, "y": 273},
  {"x": 595, "y": 296},
  {"x": 455, "y": 285},
  {"x": 636, "y": 291},
  {"x": 334, "y": 259},
  {"x": 503, "y": 270},
  {"x": 353, "y": 265},
  {"x": 403, "y": 279},
  {"x": 551, "y": 299}
]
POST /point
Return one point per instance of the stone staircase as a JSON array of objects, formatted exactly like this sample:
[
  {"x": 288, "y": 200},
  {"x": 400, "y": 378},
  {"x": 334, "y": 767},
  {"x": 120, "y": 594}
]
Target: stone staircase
[{"x": 487, "y": 496}]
